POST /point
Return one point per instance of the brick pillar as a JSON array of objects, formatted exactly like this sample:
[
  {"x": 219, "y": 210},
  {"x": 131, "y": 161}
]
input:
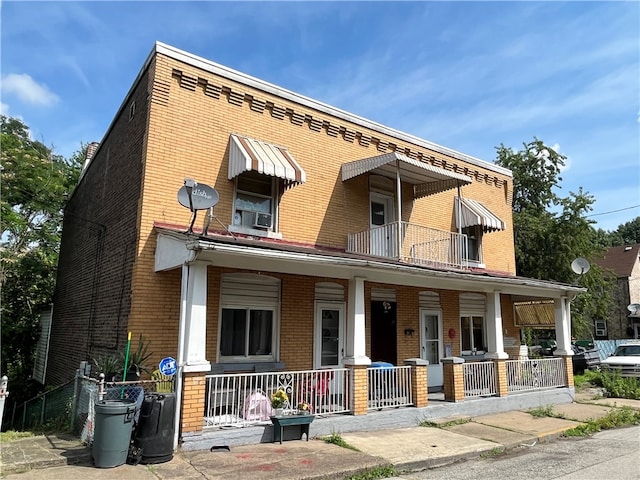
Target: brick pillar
[
  {"x": 453, "y": 379},
  {"x": 501, "y": 377},
  {"x": 568, "y": 365},
  {"x": 359, "y": 389},
  {"x": 193, "y": 400},
  {"x": 419, "y": 388}
]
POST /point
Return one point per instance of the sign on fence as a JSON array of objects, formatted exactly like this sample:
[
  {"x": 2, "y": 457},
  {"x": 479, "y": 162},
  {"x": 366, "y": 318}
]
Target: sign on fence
[{"x": 168, "y": 366}]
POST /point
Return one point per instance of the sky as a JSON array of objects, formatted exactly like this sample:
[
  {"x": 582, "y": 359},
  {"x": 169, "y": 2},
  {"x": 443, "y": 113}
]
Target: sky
[{"x": 470, "y": 76}]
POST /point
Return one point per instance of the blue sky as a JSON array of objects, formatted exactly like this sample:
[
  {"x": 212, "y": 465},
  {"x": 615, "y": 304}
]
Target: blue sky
[{"x": 466, "y": 75}]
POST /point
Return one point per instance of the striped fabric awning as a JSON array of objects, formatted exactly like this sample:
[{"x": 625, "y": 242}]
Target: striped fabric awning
[
  {"x": 535, "y": 314},
  {"x": 247, "y": 154},
  {"x": 472, "y": 213},
  {"x": 425, "y": 178}
]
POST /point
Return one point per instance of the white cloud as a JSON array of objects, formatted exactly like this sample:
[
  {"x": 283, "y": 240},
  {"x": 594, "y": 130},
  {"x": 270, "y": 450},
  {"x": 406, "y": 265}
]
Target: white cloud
[{"x": 28, "y": 90}]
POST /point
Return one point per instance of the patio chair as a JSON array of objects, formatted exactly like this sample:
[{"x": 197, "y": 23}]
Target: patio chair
[{"x": 164, "y": 383}]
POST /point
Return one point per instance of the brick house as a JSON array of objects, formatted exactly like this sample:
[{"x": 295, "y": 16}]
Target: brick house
[
  {"x": 332, "y": 241},
  {"x": 623, "y": 263}
]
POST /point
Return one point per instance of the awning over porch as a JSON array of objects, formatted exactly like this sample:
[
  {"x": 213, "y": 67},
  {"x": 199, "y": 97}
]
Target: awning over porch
[
  {"x": 535, "y": 314},
  {"x": 425, "y": 178},
  {"x": 472, "y": 213},
  {"x": 247, "y": 154}
]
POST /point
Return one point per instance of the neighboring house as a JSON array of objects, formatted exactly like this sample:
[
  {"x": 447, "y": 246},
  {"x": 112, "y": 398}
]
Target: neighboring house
[
  {"x": 624, "y": 315},
  {"x": 333, "y": 241}
]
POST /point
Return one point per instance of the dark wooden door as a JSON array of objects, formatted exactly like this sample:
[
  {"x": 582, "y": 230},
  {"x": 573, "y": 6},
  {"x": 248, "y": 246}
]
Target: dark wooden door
[{"x": 384, "y": 346}]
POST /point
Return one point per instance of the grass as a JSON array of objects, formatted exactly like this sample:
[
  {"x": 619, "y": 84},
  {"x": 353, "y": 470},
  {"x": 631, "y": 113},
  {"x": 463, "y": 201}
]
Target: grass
[
  {"x": 429, "y": 423},
  {"x": 336, "y": 439},
  {"x": 545, "y": 412},
  {"x": 376, "y": 473},
  {"x": 617, "y": 417},
  {"x": 494, "y": 452},
  {"x": 12, "y": 435},
  {"x": 613, "y": 384}
]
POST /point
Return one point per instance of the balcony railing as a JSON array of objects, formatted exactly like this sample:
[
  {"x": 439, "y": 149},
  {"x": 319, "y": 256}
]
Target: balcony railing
[{"x": 412, "y": 243}]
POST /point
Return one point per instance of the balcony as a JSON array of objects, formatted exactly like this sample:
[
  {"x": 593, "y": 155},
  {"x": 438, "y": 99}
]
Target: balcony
[{"x": 412, "y": 244}]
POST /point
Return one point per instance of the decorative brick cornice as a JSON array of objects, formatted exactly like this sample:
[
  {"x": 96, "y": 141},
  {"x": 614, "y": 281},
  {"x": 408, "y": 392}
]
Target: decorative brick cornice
[{"x": 317, "y": 124}]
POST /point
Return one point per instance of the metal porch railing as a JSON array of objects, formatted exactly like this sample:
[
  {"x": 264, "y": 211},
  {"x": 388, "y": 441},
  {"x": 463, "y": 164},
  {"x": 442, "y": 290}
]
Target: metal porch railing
[
  {"x": 535, "y": 374},
  {"x": 389, "y": 387},
  {"x": 412, "y": 243},
  {"x": 479, "y": 379},
  {"x": 245, "y": 398}
]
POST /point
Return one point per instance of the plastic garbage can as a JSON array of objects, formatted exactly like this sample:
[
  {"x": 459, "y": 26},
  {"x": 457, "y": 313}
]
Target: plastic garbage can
[
  {"x": 112, "y": 432},
  {"x": 155, "y": 428}
]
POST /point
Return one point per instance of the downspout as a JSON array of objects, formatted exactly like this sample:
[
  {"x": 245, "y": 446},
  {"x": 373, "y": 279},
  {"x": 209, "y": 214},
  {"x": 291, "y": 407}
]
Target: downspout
[
  {"x": 184, "y": 290},
  {"x": 399, "y": 209}
]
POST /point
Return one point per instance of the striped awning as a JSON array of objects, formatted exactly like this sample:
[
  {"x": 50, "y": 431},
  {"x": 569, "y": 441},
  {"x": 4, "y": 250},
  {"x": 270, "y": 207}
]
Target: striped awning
[
  {"x": 425, "y": 178},
  {"x": 247, "y": 154},
  {"x": 472, "y": 213},
  {"x": 535, "y": 314}
]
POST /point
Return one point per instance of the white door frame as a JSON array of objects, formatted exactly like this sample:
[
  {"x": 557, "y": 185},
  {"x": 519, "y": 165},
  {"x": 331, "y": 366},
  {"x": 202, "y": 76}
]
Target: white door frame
[
  {"x": 318, "y": 334},
  {"x": 382, "y": 242},
  {"x": 434, "y": 371}
]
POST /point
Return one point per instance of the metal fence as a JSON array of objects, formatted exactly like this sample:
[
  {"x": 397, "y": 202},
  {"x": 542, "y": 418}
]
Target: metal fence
[
  {"x": 245, "y": 398},
  {"x": 479, "y": 379},
  {"x": 49, "y": 409},
  {"x": 535, "y": 374},
  {"x": 389, "y": 387}
]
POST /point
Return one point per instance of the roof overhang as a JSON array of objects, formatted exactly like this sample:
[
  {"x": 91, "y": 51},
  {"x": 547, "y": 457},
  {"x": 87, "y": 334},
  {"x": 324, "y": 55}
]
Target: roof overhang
[
  {"x": 472, "y": 213},
  {"x": 176, "y": 248},
  {"x": 248, "y": 154},
  {"x": 425, "y": 178}
]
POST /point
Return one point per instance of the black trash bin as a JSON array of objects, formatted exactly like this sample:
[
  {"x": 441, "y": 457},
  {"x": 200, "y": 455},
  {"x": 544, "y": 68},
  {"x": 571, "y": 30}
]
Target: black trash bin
[
  {"x": 155, "y": 429},
  {"x": 112, "y": 432}
]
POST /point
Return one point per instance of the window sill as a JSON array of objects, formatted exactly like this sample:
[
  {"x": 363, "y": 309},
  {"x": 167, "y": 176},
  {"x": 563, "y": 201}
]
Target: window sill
[{"x": 255, "y": 232}]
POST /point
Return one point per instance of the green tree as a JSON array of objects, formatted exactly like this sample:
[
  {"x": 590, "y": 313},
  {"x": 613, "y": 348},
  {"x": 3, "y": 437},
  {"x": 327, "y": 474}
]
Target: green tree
[
  {"x": 551, "y": 231},
  {"x": 35, "y": 184},
  {"x": 627, "y": 233}
]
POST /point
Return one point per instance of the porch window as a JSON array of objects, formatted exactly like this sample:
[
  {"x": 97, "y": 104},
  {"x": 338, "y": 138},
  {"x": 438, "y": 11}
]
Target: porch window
[
  {"x": 247, "y": 333},
  {"x": 254, "y": 201},
  {"x": 474, "y": 237},
  {"x": 472, "y": 334}
]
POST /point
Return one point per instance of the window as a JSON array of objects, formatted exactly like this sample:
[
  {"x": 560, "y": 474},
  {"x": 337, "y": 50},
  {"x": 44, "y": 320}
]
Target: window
[
  {"x": 473, "y": 243},
  {"x": 601, "y": 328},
  {"x": 472, "y": 333},
  {"x": 254, "y": 202},
  {"x": 247, "y": 332}
]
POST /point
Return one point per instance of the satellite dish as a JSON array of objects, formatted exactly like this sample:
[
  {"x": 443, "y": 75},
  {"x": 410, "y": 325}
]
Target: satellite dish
[
  {"x": 202, "y": 196},
  {"x": 580, "y": 265},
  {"x": 634, "y": 307}
]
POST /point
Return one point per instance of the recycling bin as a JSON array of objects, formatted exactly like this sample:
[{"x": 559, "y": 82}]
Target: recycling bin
[
  {"x": 112, "y": 432},
  {"x": 155, "y": 428}
]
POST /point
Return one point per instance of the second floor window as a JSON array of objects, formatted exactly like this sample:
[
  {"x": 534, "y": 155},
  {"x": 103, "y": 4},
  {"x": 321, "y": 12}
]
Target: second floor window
[
  {"x": 473, "y": 243},
  {"x": 254, "y": 202}
]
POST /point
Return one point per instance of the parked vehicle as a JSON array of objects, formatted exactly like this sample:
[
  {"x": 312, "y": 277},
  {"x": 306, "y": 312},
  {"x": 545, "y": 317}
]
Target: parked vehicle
[
  {"x": 625, "y": 360},
  {"x": 583, "y": 358}
]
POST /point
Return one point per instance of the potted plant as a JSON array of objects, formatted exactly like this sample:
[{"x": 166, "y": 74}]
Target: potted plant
[
  {"x": 278, "y": 400},
  {"x": 138, "y": 360},
  {"x": 304, "y": 408},
  {"x": 110, "y": 365}
]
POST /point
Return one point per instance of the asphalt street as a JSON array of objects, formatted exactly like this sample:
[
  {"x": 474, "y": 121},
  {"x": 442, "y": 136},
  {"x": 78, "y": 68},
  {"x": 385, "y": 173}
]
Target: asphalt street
[{"x": 611, "y": 455}]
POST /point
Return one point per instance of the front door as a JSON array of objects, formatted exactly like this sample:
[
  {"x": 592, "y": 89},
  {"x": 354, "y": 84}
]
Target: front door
[
  {"x": 383, "y": 332},
  {"x": 383, "y": 238},
  {"x": 431, "y": 346},
  {"x": 329, "y": 352}
]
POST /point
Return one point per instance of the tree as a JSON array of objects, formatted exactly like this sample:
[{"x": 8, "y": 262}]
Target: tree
[
  {"x": 35, "y": 183},
  {"x": 551, "y": 231}
]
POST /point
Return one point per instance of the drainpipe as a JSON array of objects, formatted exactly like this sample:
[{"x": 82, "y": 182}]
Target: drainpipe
[
  {"x": 184, "y": 290},
  {"x": 399, "y": 209}
]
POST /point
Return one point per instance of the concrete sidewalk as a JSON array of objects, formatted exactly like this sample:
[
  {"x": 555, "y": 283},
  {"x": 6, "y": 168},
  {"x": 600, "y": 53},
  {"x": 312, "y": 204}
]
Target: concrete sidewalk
[{"x": 406, "y": 449}]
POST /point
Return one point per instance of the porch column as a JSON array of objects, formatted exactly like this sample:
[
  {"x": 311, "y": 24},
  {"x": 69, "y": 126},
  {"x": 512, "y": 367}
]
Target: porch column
[
  {"x": 495, "y": 342},
  {"x": 355, "y": 341},
  {"x": 419, "y": 384},
  {"x": 193, "y": 393},
  {"x": 453, "y": 379},
  {"x": 502, "y": 386},
  {"x": 562, "y": 308},
  {"x": 356, "y": 358}
]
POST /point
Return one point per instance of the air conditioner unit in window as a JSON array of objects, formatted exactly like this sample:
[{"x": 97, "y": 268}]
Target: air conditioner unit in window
[{"x": 263, "y": 220}]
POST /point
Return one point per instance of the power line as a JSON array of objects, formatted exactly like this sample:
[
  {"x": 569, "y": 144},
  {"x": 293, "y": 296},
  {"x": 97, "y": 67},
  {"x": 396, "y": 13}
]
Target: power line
[{"x": 612, "y": 211}]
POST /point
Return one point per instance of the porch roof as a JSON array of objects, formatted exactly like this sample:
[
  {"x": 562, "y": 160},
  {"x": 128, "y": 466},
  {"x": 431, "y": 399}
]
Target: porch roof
[
  {"x": 425, "y": 178},
  {"x": 248, "y": 154},
  {"x": 175, "y": 247}
]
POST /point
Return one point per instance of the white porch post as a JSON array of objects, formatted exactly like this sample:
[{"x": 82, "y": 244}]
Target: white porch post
[
  {"x": 495, "y": 341},
  {"x": 562, "y": 308},
  {"x": 195, "y": 316},
  {"x": 356, "y": 348}
]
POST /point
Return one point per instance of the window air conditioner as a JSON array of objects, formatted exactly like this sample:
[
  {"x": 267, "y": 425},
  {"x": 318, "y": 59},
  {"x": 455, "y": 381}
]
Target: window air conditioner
[{"x": 263, "y": 220}]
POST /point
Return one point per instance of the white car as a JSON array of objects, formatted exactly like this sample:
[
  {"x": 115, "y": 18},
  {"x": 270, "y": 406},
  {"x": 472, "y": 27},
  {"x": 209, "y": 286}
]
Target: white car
[{"x": 625, "y": 360}]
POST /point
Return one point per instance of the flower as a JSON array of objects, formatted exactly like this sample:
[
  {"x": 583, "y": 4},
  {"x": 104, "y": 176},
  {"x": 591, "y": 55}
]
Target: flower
[
  {"x": 303, "y": 406},
  {"x": 279, "y": 398}
]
